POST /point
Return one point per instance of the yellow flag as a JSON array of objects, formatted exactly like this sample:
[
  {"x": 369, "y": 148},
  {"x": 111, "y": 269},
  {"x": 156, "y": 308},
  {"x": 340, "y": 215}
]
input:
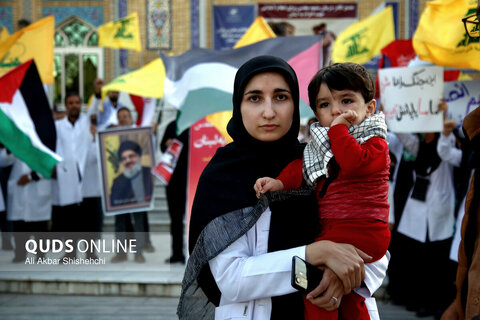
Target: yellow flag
[
  {"x": 120, "y": 34},
  {"x": 145, "y": 82},
  {"x": 220, "y": 120},
  {"x": 363, "y": 40},
  {"x": 258, "y": 31},
  {"x": 34, "y": 41},
  {"x": 441, "y": 37},
  {"x": 4, "y": 34}
]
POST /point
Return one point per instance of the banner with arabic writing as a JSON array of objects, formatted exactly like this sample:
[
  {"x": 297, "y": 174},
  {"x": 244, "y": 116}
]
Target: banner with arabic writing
[
  {"x": 462, "y": 98},
  {"x": 410, "y": 98},
  {"x": 230, "y": 23},
  {"x": 205, "y": 139},
  {"x": 305, "y": 16}
]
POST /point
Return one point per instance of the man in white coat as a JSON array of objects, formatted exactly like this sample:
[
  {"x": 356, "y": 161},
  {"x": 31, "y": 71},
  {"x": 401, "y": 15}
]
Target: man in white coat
[
  {"x": 107, "y": 116},
  {"x": 91, "y": 205},
  {"x": 73, "y": 141},
  {"x": 29, "y": 217}
]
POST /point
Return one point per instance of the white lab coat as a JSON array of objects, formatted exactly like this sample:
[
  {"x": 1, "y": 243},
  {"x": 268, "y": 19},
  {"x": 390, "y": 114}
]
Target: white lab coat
[
  {"x": 31, "y": 202},
  {"x": 91, "y": 178},
  {"x": 457, "y": 237},
  {"x": 248, "y": 276},
  {"x": 435, "y": 216},
  {"x": 2, "y": 201},
  {"x": 395, "y": 146},
  {"x": 73, "y": 142},
  {"x": 2, "y": 164}
]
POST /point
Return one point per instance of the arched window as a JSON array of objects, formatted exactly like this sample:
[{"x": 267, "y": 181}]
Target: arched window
[{"x": 78, "y": 60}]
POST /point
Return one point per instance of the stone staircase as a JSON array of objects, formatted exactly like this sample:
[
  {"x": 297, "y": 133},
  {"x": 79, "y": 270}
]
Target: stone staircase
[{"x": 153, "y": 278}]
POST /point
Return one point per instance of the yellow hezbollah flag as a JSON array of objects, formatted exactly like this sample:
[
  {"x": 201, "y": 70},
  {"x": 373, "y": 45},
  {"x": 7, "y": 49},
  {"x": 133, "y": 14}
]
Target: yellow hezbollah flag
[
  {"x": 34, "y": 41},
  {"x": 363, "y": 40},
  {"x": 120, "y": 34},
  {"x": 258, "y": 31},
  {"x": 441, "y": 37},
  {"x": 4, "y": 34},
  {"x": 145, "y": 82}
]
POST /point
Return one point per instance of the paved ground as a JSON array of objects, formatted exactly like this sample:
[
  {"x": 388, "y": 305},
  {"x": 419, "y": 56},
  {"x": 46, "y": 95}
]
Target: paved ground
[
  {"x": 107, "y": 302},
  {"x": 47, "y": 307},
  {"x": 126, "y": 278}
]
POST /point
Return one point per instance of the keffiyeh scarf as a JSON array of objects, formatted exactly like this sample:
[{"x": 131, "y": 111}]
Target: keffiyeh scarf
[{"x": 318, "y": 152}]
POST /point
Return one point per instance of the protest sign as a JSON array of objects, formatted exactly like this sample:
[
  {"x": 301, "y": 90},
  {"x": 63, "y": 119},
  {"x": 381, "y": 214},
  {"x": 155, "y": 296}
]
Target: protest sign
[
  {"x": 164, "y": 169},
  {"x": 205, "y": 139},
  {"x": 410, "y": 98},
  {"x": 462, "y": 98}
]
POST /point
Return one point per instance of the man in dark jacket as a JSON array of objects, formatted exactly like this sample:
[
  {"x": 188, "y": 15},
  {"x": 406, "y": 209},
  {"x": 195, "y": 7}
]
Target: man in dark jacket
[{"x": 177, "y": 190}]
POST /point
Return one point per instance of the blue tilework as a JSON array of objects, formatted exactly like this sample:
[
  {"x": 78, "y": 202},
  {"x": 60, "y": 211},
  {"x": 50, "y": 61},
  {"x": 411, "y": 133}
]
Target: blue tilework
[
  {"x": 6, "y": 18},
  {"x": 93, "y": 15}
]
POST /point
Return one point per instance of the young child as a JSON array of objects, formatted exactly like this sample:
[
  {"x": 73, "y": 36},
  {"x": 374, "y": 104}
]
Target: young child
[{"x": 347, "y": 162}]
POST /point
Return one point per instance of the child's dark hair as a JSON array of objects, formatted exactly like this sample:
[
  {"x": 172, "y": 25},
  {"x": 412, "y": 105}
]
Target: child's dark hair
[{"x": 342, "y": 76}]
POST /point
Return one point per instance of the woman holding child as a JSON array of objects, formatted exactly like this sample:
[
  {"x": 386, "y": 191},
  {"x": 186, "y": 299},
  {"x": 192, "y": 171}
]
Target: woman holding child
[{"x": 242, "y": 248}]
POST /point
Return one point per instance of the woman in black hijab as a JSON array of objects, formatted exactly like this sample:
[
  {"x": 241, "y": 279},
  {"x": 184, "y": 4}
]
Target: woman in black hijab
[{"x": 249, "y": 243}]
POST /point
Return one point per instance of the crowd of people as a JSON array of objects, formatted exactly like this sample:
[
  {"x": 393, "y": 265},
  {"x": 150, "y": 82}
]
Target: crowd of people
[
  {"x": 69, "y": 203},
  {"x": 342, "y": 193}
]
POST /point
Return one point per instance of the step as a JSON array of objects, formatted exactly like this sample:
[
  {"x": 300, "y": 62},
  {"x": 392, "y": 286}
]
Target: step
[
  {"x": 158, "y": 222},
  {"x": 46, "y": 283},
  {"x": 153, "y": 278}
]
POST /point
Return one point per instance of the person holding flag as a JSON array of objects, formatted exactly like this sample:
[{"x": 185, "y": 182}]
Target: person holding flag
[
  {"x": 73, "y": 141},
  {"x": 28, "y": 132}
]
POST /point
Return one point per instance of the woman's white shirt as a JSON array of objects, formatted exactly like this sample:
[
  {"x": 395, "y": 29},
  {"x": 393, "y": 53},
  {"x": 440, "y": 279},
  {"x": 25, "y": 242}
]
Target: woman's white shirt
[
  {"x": 248, "y": 276},
  {"x": 395, "y": 146}
]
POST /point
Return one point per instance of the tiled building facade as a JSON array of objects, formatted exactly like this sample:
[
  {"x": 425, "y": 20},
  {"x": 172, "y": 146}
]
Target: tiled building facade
[{"x": 190, "y": 21}]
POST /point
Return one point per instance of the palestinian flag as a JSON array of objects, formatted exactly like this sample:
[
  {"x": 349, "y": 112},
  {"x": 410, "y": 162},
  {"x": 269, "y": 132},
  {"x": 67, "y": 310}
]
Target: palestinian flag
[
  {"x": 200, "y": 81},
  {"x": 27, "y": 128}
]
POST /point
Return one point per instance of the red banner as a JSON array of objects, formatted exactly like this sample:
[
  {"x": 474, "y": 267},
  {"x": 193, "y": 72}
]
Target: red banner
[{"x": 205, "y": 139}]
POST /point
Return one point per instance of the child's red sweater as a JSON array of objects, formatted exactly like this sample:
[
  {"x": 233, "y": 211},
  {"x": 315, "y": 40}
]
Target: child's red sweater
[{"x": 361, "y": 189}]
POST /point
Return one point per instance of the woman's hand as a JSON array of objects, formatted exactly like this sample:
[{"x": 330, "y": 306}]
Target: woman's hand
[
  {"x": 344, "y": 259},
  {"x": 329, "y": 288}
]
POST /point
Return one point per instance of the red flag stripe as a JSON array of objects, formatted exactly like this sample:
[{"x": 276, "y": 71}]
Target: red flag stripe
[{"x": 12, "y": 80}]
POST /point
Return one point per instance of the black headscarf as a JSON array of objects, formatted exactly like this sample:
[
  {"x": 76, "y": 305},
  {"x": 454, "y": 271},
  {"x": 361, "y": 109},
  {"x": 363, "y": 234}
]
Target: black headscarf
[{"x": 226, "y": 184}]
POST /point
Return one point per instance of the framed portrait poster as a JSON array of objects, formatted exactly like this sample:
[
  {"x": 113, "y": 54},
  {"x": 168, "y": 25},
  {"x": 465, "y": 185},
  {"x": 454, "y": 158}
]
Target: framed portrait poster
[
  {"x": 159, "y": 24},
  {"x": 126, "y": 160}
]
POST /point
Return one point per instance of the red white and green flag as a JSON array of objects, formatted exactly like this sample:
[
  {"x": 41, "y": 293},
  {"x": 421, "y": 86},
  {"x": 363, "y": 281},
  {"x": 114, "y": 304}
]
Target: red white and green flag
[
  {"x": 27, "y": 128},
  {"x": 200, "y": 81}
]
